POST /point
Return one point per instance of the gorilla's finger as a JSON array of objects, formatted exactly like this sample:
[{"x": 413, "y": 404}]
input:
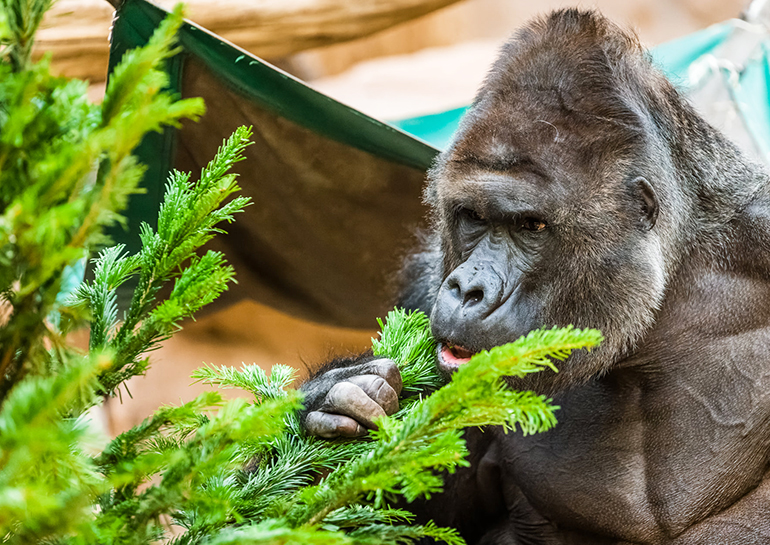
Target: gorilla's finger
[
  {"x": 388, "y": 370},
  {"x": 348, "y": 399},
  {"x": 379, "y": 390},
  {"x": 329, "y": 426}
]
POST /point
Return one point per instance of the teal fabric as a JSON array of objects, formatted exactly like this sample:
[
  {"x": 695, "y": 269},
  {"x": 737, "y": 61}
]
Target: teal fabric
[
  {"x": 435, "y": 129},
  {"x": 674, "y": 58},
  {"x": 753, "y": 100}
]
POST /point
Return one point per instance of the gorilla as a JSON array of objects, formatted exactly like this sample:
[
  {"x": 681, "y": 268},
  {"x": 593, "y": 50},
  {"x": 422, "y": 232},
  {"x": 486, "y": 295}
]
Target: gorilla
[{"x": 582, "y": 188}]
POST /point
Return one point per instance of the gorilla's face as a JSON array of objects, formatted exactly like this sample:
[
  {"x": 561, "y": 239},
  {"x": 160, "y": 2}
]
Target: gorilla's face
[{"x": 546, "y": 220}]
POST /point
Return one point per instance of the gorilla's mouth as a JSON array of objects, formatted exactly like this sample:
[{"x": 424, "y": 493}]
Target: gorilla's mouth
[{"x": 452, "y": 356}]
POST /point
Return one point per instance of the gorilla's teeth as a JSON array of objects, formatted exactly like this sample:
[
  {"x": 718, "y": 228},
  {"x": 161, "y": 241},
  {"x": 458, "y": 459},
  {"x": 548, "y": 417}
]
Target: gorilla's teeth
[
  {"x": 460, "y": 352},
  {"x": 457, "y": 353}
]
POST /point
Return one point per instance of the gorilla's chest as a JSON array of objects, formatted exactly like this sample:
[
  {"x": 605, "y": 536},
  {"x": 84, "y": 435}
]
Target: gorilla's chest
[
  {"x": 637, "y": 467},
  {"x": 589, "y": 472}
]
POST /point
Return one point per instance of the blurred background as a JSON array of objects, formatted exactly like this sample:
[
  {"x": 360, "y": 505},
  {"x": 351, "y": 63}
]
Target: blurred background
[{"x": 400, "y": 59}]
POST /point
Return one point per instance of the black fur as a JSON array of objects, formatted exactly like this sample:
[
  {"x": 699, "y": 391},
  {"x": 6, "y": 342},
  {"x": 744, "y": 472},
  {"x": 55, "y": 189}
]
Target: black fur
[{"x": 583, "y": 189}]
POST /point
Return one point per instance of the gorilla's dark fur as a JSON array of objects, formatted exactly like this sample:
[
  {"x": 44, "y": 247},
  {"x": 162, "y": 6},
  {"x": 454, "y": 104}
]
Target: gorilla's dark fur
[{"x": 583, "y": 189}]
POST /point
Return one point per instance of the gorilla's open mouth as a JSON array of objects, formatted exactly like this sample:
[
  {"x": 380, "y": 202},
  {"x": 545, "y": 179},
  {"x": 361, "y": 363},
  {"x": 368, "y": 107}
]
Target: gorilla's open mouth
[{"x": 452, "y": 356}]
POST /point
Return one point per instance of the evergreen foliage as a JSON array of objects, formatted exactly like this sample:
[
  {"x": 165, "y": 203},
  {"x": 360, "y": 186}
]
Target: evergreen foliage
[
  {"x": 408, "y": 339},
  {"x": 187, "y": 219},
  {"x": 209, "y": 471},
  {"x": 53, "y": 208},
  {"x": 52, "y": 475},
  {"x": 280, "y": 498}
]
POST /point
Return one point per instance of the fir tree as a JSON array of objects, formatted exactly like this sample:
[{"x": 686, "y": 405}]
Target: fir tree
[
  {"x": 208, "y": 471},
  {"x": 53, "y": 207}
]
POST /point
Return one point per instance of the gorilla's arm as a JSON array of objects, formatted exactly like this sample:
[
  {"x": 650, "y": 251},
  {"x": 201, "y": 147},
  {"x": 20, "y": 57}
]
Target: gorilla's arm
[
  {"x": 482, "y": 502},
  {"x": 346, "y": 395}
]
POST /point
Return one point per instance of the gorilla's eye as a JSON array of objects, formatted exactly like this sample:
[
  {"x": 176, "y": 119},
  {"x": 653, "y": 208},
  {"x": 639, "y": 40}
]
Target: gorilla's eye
[
  {"x": 533, "y": 224},
  {"x": 471, "y": 215}
]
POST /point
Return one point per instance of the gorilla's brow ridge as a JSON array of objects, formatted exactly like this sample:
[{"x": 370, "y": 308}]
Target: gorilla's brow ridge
[{"x": 495, "y": 164}]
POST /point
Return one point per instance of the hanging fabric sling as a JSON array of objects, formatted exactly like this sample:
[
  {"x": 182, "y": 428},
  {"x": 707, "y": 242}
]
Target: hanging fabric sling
[{"x": 336, "y": 193}]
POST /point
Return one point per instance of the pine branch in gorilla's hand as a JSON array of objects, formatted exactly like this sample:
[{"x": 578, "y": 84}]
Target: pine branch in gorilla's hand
[
  {"x": 280, "y": 495},
  {"x": 406, "y": 339},
  {"x": 405, "y": 453}
]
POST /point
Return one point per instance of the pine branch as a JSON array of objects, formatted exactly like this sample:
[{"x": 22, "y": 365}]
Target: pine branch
[
  {"x": 250, "y": 377},
  {"x": 194, "y": 463},
  {"x": 376, "y": 534},
  {"x": 45, "y": 478},
  {"x": 408, "y": 450},
  {"x": 273, "y": 532},
  {"x": 189, "y": 217},
  {"x": 429, "y": 437},
  {"x": 407, "y": 340},
  {"x": 19, "y": 23},
  {"x": 359, "y": 515},
  {"x": 183, "y": 420},
  {"x": 52, "y": 206}
]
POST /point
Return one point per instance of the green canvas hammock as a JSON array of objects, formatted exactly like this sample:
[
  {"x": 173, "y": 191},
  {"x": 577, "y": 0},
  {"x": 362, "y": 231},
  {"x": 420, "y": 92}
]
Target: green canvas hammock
[{"x": 337, "y": 194}]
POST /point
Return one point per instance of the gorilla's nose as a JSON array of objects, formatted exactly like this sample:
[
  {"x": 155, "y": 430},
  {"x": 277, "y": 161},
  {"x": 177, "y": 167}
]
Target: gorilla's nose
[
  {"x": 464, "y": 295},
  {"x": 475, "y": 290}
]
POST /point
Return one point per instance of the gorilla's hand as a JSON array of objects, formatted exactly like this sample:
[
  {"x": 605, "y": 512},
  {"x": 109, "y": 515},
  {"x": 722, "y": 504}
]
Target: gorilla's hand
[{"x": 344, "y": 402}]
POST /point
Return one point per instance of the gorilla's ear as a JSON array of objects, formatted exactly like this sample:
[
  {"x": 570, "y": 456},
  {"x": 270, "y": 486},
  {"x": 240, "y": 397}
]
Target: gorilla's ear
[{"x": 648, "y": 202}]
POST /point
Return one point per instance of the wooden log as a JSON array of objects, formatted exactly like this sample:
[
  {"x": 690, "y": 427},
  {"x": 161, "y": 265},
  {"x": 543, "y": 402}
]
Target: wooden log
[{"x": 76, "y": 31}]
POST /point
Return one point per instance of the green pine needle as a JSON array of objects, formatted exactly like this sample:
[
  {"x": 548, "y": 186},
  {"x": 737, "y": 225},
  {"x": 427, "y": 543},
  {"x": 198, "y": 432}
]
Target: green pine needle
[
  {"x": 405, "y": 453},
  {"x": 279, "y": 499},
  {"x": 406, "y": 339},
  {"x": 250, "y": 377}
]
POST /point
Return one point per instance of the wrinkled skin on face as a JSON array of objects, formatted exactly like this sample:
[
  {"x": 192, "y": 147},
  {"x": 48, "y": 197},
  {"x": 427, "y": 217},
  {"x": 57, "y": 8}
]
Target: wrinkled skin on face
[{"x": 582, "y": 189}]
